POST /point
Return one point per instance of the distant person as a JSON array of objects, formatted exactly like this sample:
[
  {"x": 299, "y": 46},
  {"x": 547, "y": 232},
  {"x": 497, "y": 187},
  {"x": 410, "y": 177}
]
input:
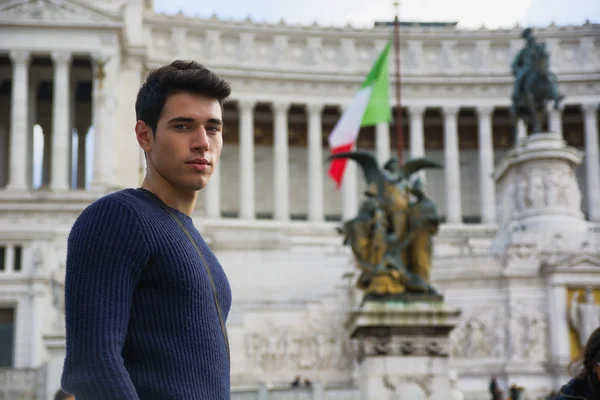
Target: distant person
[
  {"x": 146, "y": 300},
  {"x": 495, "y": 390},
  {"x": 296, "y": 382},
  {"x": 61, "y": 395},
  {"x": 586, "y": 383}
]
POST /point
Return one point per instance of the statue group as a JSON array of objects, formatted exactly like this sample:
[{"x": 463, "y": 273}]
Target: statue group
[
  {"x": 391, "y": 237},
  {"x": 534, "y": 84}
]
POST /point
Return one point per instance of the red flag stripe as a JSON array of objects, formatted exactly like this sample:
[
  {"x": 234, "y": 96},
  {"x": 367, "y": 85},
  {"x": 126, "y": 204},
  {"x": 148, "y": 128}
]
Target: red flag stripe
[{"x": 338, "y": 166}]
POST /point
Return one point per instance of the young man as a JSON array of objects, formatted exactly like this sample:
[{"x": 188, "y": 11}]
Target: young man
[{"x": 145, "y": 298}]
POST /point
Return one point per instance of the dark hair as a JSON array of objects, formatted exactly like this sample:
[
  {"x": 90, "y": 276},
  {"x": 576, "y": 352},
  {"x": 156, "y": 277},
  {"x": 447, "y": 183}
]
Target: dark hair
[
  {"x": 586, "y": 361},
  {"x": 61, "y": 395},
  {"x": 179, "y": 76}
]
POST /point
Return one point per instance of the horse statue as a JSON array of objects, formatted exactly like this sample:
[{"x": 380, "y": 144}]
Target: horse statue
[{"x": 534, "y": 84}]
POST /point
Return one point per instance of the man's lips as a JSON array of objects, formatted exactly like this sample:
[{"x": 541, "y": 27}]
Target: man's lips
[
  {"x": 199, "y": 164},
  {"x": 198, "y": 161}
]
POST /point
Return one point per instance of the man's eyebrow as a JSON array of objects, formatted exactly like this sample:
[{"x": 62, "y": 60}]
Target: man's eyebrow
[
  {"x": 216, "y": 121},
  {"x": 181, "y": 119}
]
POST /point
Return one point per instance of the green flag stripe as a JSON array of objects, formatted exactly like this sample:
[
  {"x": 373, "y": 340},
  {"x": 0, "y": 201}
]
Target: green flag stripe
[
  {"x": 378, "y": 109},
  {"x": 381, "y": 62}
]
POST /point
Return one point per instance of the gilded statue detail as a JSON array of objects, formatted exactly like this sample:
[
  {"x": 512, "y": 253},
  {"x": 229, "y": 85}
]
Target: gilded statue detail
[{"x": 391, "y": 237}]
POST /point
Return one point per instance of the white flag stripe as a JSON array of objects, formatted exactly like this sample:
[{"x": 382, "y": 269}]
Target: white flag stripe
[{"x": 346, "y": 129}]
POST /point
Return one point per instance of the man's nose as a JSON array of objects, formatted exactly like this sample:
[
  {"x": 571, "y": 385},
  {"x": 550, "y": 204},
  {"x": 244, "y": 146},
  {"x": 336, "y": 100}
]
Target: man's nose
[{"x": 200, "y": 140}]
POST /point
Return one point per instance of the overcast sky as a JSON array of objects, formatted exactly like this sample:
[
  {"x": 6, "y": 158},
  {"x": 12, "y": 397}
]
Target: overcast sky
[{"x": 469, "y": 13}]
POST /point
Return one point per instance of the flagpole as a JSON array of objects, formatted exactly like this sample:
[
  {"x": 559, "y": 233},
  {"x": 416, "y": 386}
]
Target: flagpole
[{"x": 400, "y": 137}]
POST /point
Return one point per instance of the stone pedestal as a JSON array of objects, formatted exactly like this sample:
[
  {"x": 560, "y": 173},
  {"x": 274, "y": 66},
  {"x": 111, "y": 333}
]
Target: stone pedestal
[
  {"x": 403, "y": 348},
  {"x": 547, "y": 250},
  {"x": 538, "y": 193}
]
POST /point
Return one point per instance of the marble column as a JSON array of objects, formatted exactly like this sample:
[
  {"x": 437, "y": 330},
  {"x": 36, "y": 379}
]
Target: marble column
[
  {"x": 213, "y": 193},
  {"x": 452, "y": 165},
  {"x": 555, "y": 120},
  {"x": 33, "y": 106},
  {"x": 592, "y": 160},
  {"x": 100, "y": 172},
  {"x": 521, "y": 130},
  {"x": 61, "y": 123},
  {"x": 281, "y": 183},
  {"x": 349, "y": 189},
  {"x": 382, "y": 142},
  {"x": 246, "y": 146},
  {"x": 486, "y": 165},
  {"x": 315, "y": 162},
  {"x": 417, "y": 135},
  {"x": 17, "y": 178}
]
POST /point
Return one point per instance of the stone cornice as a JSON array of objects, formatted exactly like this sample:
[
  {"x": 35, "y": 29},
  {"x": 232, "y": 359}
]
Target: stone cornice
[
  {"x": 236, "y": 26},
  {"x": 277, "y": 51}
]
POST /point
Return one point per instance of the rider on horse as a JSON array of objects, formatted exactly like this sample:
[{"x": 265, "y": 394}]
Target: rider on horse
[
  {"x": 523, "y": 61},
  {"x": 533, "y": 79}
]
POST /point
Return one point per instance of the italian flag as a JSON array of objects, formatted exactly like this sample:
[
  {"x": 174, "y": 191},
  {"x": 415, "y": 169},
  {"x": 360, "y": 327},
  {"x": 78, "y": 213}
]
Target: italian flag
[{"x": 369, "y": 106}]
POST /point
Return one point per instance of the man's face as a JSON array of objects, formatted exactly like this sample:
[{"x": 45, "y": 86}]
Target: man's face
[{"x": 186, "y": 146}]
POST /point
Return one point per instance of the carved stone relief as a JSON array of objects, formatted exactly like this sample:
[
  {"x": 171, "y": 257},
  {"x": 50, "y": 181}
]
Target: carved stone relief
[
  {"x": 246, "y": 50},
  {"x": 402, "y": 346},
  {"x": 314, "y": 51},
  {"x": 491, "y": 334},
  {"x": 545, "y": 188},
  {"x": 347, "y": 57},
  {"x": 280, "y": 47},
  {"x": 51, "y": 11},
  {"x": 316, "y": 346}
]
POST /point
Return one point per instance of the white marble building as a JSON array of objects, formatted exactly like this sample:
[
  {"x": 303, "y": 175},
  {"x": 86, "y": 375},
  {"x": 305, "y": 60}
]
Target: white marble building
[{"x": 290, "y": 276}]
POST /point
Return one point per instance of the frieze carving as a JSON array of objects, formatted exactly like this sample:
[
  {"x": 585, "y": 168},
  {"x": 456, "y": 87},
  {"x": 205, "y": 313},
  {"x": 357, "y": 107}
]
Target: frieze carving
[
  {"x": 319, "y": 347},
  {"x": 213, "y": 44},
  {"x": 247, "y": 47},
  {"x": 280, "y": 47},
  {"x": 548, "y": 188},
  {"x": 424, "y": 383},
  {"x": 425, "y": 52},
  {"x": 492, "y": 334},
  {"x": 398, "y": 345},
  {"x": 314, "y": 51},
  {"x": 53, "y": 11},
  {"x": 347, "y": 53}
]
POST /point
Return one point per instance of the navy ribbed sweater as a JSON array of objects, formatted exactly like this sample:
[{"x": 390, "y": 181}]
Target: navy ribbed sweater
[{"x": 141, "y": 322}]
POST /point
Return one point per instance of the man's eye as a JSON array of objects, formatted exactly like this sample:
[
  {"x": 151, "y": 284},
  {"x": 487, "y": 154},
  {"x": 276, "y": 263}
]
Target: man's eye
[
  {"x": 181, "y": 127},
  {"x": 212, "y": 129}
]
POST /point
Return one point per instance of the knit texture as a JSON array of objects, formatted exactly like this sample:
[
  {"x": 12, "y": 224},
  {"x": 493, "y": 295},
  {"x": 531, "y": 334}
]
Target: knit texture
[{"x": 141, "y": 322}]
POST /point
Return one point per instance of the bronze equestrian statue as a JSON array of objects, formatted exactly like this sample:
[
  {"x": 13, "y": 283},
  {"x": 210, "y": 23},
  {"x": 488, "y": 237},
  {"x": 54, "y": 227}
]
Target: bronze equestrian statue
[{"x": 534, "y": 84}]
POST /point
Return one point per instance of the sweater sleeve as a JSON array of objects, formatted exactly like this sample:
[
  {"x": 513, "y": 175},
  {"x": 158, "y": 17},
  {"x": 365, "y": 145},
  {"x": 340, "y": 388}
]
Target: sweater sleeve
[{"x": 106, "y": 254}]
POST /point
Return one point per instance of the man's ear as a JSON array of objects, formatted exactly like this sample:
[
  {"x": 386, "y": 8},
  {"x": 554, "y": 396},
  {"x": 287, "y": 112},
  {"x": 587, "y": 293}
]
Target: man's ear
[{"x": 144, "y": 135}]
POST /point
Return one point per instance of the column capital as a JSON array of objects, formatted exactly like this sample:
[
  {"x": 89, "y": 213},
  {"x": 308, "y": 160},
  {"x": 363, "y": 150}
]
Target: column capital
[
  {"x": 20, "y": 57},
  {"x": 314, "y": 108},
  {"x": 61, "y": 57},
  {"x": 484, "y": 111},
  {"x": 416, "y": 111},
  {"x": 450, "y": 111},
  {"x": 246, "y": 104},
  {"x": 590, "y": 107},
  {"x": 281, "y": 107}
]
